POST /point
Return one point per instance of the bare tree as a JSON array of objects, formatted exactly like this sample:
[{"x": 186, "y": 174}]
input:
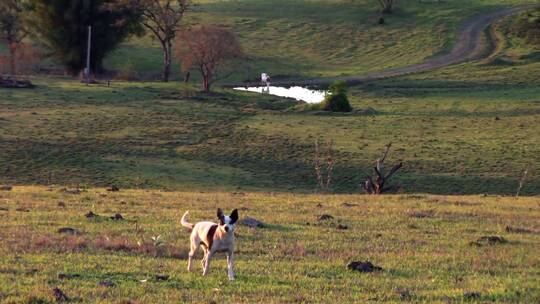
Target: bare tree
[
  {"x": 205, "y": 48},
  {"x": 12, "y": 29},
  {"x": 522, "y": 180},
  {"x": 387, "y": 6},
  {"x": 377, "y": 186},
  {"x": 162, "y": 18},
  {"x": 324, "y": 165}
]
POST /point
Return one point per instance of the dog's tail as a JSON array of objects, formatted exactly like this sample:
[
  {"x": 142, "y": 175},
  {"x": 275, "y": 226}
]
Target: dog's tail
[{"x": 185, "y": 223}]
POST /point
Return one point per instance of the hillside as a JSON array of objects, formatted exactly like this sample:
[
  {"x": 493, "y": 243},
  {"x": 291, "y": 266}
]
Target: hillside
[{"x": 465, "y": 129}]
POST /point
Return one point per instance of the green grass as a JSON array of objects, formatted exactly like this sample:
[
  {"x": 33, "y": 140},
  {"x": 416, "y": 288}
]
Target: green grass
[
  {"x": 422, "y": 242},
  {"x": 466, "y": 129},
  {"x": 298, "y": 39},
  {"x": 157, "y": 135}
]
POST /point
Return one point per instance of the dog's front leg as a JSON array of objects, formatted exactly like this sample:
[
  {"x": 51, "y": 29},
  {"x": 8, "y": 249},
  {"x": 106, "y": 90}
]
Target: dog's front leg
[
  {"x": 207, "y": 259},
  {"x": 230, "y": 264}
]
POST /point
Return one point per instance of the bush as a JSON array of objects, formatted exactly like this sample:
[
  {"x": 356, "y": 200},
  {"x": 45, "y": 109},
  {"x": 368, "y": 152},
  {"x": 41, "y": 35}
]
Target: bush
[
  {"x": 527, "y": 26},
  {"x": 337, "y": 100}
]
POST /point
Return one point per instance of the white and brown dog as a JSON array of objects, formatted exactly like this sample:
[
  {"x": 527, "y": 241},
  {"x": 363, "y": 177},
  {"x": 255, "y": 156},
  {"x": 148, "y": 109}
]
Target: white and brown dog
[{"x": 212, "y": 238}]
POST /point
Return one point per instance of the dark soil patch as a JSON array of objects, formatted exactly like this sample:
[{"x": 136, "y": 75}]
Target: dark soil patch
[
  {"x": 251, "y": 222},
  {"x": 511, "y": 229},
  {"x": 91, "y": 214},
  {"x": 113, "y": 188},
  {"x": 15, "y": 84},
  {"x": 59, "y": 295},
  {"x": 68, "y": 230},
  {"x": 472, "y": 295},
  {"x": 325, "y": 217},
  {"x": 117, "y": 217},
  {"x": 6, "y": 188},
  {"x": 67, "y": 276},
  {"x": 422, "y": 214},
  {"x": 161, "y": 277},
  {"x": 363, "y": 266},
  {"x": 342, "y": 227},
  {"x": 489, "y": 240},
  {"x": 405, "y": 294},
  {"x": 107, "y": 283},
  {"x": 72, "y": 191}
]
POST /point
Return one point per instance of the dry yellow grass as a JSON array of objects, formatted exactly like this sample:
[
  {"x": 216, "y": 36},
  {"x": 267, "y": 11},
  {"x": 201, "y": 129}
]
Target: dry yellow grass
[{"x": 424, "y": 243}]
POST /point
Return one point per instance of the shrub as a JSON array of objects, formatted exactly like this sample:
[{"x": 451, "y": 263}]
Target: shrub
[
  {"x": 527, "y": 26},
  {"x": 337, "y": 100}
]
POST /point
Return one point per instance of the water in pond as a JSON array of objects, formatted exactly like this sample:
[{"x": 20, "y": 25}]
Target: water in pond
[{"x": 298, "y": 93}]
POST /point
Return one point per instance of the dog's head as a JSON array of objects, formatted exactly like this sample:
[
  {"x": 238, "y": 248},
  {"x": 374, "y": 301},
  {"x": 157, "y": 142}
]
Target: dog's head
[{"x": 227, "y": 223}]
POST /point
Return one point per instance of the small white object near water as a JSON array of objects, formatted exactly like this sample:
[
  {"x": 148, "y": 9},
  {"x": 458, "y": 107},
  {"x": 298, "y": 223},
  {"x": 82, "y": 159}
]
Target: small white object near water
[
  {"x": 298, "y": 93},
  {"x": 264, "y": 78}
]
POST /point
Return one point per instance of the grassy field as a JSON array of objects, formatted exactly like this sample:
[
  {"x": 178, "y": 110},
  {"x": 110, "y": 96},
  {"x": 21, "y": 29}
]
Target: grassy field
[
  {"x": 304, "y": 38},
  {"x": 464, "y": 133},
  {"x": 425, "y": 244},
  {"x": 466, "y": 129}
]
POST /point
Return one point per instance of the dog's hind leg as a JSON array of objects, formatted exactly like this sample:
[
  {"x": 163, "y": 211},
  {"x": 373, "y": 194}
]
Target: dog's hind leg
[
  {"x": 194, "y": 246},
  {"x": 230, "y": 264}
]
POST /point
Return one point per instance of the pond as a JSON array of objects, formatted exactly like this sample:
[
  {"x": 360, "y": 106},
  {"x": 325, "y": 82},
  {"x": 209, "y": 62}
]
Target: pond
[{"x": 298, "y": 93}]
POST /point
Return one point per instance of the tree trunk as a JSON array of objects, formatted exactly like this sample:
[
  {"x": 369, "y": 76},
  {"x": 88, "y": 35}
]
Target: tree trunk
[
  {"x": 206, "y": 73},
  {"x": 207, "y": 84},
  {"x": 12, "y": 59},
  {"x": 387, "y": 10},
  {"x": 167, "y": 49}
]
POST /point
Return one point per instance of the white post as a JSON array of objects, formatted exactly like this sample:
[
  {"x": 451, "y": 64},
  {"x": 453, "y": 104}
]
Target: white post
[{"x": 88, "y": 55}]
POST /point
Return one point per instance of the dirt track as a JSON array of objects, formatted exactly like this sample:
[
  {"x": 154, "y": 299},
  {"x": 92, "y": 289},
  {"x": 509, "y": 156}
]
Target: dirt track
[{"x": 469, "y": 46}]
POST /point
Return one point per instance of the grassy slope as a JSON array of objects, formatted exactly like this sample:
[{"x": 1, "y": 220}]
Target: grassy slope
[
  {"x": 295, "y": 259},
  {"x": 321, "y": 38},
  {"x": 443, "y": 125}
]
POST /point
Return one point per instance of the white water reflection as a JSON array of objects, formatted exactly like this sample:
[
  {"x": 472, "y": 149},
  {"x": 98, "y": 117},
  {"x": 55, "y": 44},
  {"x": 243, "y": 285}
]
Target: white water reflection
[{"x": 298, "y": 93}]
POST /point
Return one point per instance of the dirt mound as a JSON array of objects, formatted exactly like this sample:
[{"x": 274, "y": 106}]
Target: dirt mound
[
  {"x": 15, "y": 83},
  {"x": 363, "y": 266},
  {"x": 489, "y": 240}
]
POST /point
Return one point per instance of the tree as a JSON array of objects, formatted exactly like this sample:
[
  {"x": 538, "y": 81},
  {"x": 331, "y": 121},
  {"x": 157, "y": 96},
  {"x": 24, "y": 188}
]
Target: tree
[
  {"x": 337, "y": 100},
  {"x": 204, "y": 48},
  {"x": 162, "y": 18},
  {"x": 62, "y": 25},
  {"x": 12, "y": 29},
  {"x": 387, "y": 6},
  {"x": 377, "y": 186}
]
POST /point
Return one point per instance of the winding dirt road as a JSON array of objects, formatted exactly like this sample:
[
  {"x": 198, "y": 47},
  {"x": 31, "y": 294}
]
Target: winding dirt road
[{"x": 468, "y": 47}]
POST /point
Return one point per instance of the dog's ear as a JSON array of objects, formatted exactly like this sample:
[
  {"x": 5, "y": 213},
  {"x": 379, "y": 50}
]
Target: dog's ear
[
  {"x": 234, "y": 216},
  {"x": 221, "y": 216}
]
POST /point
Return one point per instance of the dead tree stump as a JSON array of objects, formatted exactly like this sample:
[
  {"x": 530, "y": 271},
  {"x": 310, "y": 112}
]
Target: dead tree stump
[{"x": 377, "y": 186}]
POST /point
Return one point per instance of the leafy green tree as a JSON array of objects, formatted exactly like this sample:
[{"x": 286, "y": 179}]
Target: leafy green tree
[
  {"x": 337, "y": 100},
  {"x": 162, "y": 18},
  {"x": 62, "y": 26}
]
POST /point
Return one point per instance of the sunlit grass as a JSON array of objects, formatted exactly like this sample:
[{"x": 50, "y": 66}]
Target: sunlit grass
[{"x": 296, "y": 258}]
